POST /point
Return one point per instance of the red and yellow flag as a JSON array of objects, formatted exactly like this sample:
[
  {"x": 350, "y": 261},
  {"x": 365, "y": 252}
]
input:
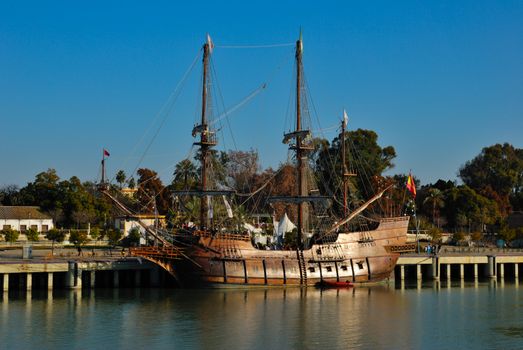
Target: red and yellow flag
[{"x": 411, "y": 186}]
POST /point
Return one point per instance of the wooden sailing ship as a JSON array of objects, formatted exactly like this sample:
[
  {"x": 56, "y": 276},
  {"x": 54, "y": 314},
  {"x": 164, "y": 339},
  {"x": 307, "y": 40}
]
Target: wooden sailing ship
[{"x": 206, "y": 257}]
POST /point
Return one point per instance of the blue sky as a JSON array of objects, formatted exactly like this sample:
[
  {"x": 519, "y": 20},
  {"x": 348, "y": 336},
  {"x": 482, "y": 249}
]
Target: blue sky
[{"x": 438, "y": 80}]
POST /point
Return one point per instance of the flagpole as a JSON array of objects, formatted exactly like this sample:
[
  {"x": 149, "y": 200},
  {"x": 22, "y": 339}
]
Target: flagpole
[{"x": 103, "y": 165}]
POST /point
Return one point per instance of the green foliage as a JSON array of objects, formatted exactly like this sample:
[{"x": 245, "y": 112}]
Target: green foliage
[
  {"x": 185, "y": 176},
  {"x": 78, "y": 238},
  {"x": 435, "y": 234},
  {"x": 290, "y": 240},
  {"x": 476, "y": 236},
  {"x": 507, "y": 233},
  {"x": 363, "y": 156},
  {"x": 114, "y": 236},
  {"x": 134, "y": 236},
  {"x": 496, "y": 173},
  {"x": 458, "y": 237},
  {"x": 55, "y": 235},
  {"x": 151, "y": 192},
  {"x": 32, "y": 235},
  {"x": 466, "y": 209},
  {"x": 69, "y": 202},
  {"x": 95, "y": 233},
  {"x": 120, "y": 177},
  {"x": 10, "y": 235},
  {"x": 131, "y": 183}
]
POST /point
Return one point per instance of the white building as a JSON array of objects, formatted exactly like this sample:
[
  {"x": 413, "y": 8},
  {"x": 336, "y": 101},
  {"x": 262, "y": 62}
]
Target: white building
[
  {"x": 127, "y": 223},
  {"x": 22, "y": 218}
]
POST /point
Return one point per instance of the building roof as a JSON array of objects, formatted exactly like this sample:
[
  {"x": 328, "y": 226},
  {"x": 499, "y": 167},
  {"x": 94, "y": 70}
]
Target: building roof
[{"x": 21, "y": 212}]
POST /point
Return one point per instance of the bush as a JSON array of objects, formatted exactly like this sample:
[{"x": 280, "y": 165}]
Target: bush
[
  {"x": 95, "y": 233},
  {"x": 114, "y": 236},
  {"x": 78, "y": 238},
  {"x": 32, "y": 235},
  {"x": 458, "y": 237},
  {"x": 435, "y": 234},
  {"x": 10, "y": 235},
  {"x": 55, "y": 235}
]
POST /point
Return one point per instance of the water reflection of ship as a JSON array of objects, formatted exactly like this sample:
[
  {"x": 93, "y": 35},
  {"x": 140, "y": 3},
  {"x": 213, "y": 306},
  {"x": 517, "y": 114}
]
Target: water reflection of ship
[{"x": 323, "y": 250}]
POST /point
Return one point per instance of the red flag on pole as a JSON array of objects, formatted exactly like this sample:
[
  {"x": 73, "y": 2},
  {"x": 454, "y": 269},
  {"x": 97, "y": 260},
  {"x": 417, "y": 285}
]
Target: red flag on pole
[
  {"x": 106, "y": 153},
  {"x": 411, "y": 186}
]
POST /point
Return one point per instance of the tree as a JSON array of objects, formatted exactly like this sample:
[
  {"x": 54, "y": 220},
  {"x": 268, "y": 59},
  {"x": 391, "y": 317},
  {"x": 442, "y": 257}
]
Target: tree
[
  {"x": 78, "y": 238},
  {"x": 134, "y": 237},
  {"x": 114, "y": 236},
  {"x": 458, "y": 237},
  {"x": 120, "y": 178},
  {"x": 465, "y": 208},
  {"x": 10, "y": 235},
  {"x": 496, "y": 173},
  {"x": 151, "y": 192},
  {"x": 241, "y": 168},
  {"x": 95, "y": 233},
  {"x": 185, "y": 176},
  {"x": 363, "y": 156},
  {"x": 55, "y": 235},
  {"x": 435, "y": 234},
  {"x": 32, "y": 235},
  {"x": 10, "y": 195},
  {"x": 435, "y": 198},
  {"x": 131, "y": 183}
]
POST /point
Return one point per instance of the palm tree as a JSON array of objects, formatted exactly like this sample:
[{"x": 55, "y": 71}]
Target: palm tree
[
  {"x": 185, "y": 175},
  {"x": 435, "y": 197},
  {"x": 120, "y": 177}
]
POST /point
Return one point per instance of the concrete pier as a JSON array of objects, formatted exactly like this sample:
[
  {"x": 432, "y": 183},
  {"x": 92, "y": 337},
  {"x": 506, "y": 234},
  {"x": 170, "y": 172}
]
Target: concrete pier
[{"x": 471, "y": 266}]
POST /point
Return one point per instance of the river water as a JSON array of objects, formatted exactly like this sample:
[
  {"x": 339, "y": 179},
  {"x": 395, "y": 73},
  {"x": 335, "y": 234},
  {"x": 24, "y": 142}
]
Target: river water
[{"x": 486, "y": 315}]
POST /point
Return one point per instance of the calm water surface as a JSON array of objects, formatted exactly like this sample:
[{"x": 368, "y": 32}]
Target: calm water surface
[{"x": 433, "y": 316}]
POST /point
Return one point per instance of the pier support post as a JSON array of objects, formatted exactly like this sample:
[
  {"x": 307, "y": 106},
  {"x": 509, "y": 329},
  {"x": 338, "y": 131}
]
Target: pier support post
[
  {"x": 49, "y": 280},
  {"x": 402, "y": 272},
  {"x": 419, "y": 276},
  {"x": 502, "y": 271},
  {"x": 73, "y": 277},
  {"x": 435, "y": 268},
  {"x": 116, "y": 279},
  {"x": 448, "y": 271},
  {"x": 516, "y": 272},
  {"x": 29, "y": 281},
  {"x": 492, "y": 267},
  {"x": 461, "y": 271},
  {"x": 92, "y": 279},
  {"x": 475, "y": 271},
  {"x": 5, "y": 282}
]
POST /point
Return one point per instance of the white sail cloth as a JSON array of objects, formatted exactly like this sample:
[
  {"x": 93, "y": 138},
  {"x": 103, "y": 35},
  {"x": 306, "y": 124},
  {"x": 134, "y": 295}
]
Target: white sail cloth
[{"x": 285, "y": 225}]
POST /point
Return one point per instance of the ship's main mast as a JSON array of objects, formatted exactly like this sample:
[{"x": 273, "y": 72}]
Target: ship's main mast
[
  {"x": 300, "y": 154},
  {"x": 204, "y": 145}
]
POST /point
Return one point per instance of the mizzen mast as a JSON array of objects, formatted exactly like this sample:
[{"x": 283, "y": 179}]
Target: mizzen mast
[{"x": 345, "y": 171}]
